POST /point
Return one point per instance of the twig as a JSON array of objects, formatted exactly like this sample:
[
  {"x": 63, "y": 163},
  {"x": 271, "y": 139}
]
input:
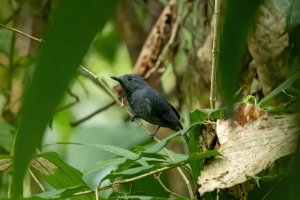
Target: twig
[
  {"x": 36, "y": 180},
  {"x": 157, "y": 177},
  {"x": 96, "y": 193},
  {"x": 123, "y": 181},
  {"x": 76, "y": 100},
  {"x": 22, "y": 33},
  {"x": 215, "y": 56},
  {"x": 75, "y": 123}
]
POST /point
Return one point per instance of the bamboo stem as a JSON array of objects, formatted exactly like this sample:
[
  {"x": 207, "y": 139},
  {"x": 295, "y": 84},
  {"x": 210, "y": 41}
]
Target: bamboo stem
[{"x": 215, "y": 55}]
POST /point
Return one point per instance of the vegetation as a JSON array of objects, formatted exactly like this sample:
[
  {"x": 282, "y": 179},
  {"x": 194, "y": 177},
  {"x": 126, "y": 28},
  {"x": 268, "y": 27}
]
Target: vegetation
[{"x": 231, "y": 68}]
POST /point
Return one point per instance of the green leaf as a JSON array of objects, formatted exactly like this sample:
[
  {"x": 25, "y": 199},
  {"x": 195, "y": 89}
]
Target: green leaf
[
  {"x": 161, "y": 144},
  {"x": 5, "y": 162},
  {"x": 171, "y": 164},
  {"x": 139, "y": 197},
  {"x": 75, "y": 24},
  {"x": 201, "y": 115},
  {"x": 6, "y": 136},
  {"x": 104, "y": 164},
  {"x": 239, "y": 16},
  {"x": 59, "y": 174},
  {"x": 291, "y": 9},
  {"x": 266, "y": 100},
  {"x": 60, "y": 193},
  {"x": 108, "y": 42}
]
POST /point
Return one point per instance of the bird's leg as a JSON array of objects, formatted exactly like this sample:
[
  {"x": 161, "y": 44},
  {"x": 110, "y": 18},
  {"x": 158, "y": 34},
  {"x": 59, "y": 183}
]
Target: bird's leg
[
  {"x": 133, "y": 117},
  {"x": 122, "y": 103},
  {"x": 152, "y": 135}
]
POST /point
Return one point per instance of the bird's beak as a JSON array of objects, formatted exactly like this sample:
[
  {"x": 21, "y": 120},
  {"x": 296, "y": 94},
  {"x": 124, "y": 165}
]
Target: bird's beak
[{"x": 116, "y": 79}]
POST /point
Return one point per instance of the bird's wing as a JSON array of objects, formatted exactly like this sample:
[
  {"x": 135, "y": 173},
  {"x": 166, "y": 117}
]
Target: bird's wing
[{"x": 159, "y": 106}]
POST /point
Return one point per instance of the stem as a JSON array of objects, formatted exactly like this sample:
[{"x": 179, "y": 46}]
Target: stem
[
  {"x": 124, "y": 181},
  {"x": 22, "y": 33},
  {"x": 215, "y": 55},
  {"x": 157, "y": 177},
  {"x": 36, "y": 180}
]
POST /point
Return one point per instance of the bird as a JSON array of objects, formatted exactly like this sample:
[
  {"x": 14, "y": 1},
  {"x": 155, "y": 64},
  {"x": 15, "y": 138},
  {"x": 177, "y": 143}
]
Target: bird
[{"x": 149, "y": 104}]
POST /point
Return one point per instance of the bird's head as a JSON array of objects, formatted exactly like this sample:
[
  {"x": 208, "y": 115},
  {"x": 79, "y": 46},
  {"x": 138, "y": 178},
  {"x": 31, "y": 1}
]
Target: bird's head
[{"x": 131, "y": 83}]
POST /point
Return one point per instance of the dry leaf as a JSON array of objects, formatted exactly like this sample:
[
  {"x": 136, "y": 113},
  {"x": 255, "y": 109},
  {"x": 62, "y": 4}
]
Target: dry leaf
[
  {"x": 268, "y": 47},
  {"x": 249, "y": 149},
  {"x": 245, "y": 113}
]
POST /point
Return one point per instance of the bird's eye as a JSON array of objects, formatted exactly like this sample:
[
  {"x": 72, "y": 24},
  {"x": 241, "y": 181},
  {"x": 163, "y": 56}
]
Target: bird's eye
[{"x": 129, "y": 78}]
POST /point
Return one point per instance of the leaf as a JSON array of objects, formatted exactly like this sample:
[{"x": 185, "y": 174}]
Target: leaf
[
  {"x": 291, "y": 9},
  {"x": 170, "y": 164},
  {"x": 59, "y": 193},
  {"x": 75, "y": 24},
  {"x": 104, "y": 164},
  {"x": 108, "y": 42},
  {"x": 59, "y": 174},
  {"x": 203, "y": 115},
  {"x": 6, "y": 136},
  {"x": 238, "y": 19},
  {"x": 5, "y": 162},
  {"x": 266, "y": 100},
  {"x": 161, "y": 144},
  {"x": 195, "y": 132},
  {"x": 139, "y": 197}
]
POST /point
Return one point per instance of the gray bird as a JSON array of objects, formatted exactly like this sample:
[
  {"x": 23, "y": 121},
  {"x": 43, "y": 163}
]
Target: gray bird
[{"x": 148, "y": 104}]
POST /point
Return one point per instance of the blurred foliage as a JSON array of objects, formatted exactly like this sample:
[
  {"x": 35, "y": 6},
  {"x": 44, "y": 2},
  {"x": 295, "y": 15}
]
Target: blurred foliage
[
  {"x": 104, "y": 150},
  {"x": 291, "y": 9},
  {"x": 108, "y": 43},
  {"x": 65, "y": 44}
]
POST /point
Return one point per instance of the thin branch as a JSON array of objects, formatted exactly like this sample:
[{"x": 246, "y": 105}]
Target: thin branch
[
  {"x": 157, "y": 177},
  {"x": 76, "y": 123},
  {"x": 215, "y": 55},
  {"x": 22, "y": 33},
  {"x": 96, "y": 193},
  {"x": 36, "y": 180},
  {"x": 76, "y": 100},
  {"x": 111, "y": 185}
]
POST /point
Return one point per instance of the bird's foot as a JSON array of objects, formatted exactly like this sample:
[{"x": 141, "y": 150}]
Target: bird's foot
[
  {"x": 153, "y": 134},
  {"x": 122, "y": 103},
  {"x": 133, "y": 117}
]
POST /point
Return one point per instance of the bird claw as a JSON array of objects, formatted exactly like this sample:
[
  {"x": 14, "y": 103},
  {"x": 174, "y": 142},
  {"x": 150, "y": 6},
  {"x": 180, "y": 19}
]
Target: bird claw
[
  {"x": 151, "y": 136},
  {"x": 122, "y": 103},
  {"x": 133, "y": 117}
]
